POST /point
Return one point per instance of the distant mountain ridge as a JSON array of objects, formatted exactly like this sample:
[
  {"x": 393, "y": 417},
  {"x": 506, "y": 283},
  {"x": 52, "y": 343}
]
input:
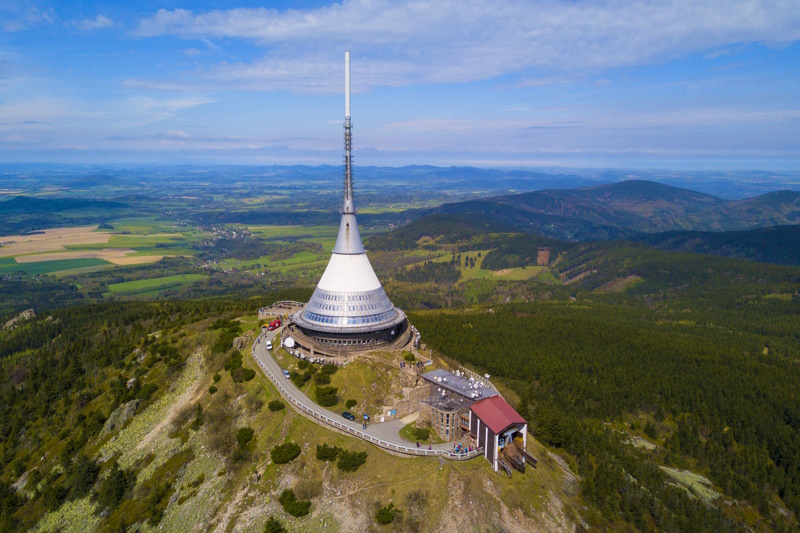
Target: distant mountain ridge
[{"x": 627, "y": 210}]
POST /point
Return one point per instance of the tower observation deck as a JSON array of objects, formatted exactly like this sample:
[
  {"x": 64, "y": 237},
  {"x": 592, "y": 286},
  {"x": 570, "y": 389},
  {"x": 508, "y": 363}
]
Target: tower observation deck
[{"x": 349, "y": 308}]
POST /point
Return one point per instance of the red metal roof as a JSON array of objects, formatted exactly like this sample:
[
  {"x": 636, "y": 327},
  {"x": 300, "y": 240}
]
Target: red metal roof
[{"x": 496, "y": 413}]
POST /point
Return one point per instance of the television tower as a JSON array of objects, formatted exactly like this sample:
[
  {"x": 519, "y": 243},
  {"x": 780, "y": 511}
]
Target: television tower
[{"x": 349, "y": 307}]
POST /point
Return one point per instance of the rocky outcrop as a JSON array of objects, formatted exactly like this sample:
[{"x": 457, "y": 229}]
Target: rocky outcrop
[
  {"x": 120, "y": 416},
  {"x": 24, "y": 316}
]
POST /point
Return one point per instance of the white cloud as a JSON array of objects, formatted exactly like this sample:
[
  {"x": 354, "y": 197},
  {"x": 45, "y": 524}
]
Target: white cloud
[
  {"x": 173, "y": 135},
  {"x": 100, "y": 21},
  {"x": 401, "y": 43},
  {"x": 15, "y": 16}
]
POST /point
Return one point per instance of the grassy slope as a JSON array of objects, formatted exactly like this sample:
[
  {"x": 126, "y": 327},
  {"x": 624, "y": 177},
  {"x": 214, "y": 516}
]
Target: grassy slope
[{"x": 215, "y": 494}]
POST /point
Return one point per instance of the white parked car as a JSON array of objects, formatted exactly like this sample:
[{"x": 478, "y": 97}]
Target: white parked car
[{"x": 269, "y": 345}]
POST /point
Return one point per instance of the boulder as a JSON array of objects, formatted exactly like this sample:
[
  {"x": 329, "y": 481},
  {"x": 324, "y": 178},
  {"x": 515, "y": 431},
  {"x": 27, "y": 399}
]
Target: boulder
[{"x": 120, "y": 417}]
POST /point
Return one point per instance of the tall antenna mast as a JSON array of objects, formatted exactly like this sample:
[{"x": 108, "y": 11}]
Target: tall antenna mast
[{"x": 348, "y": 207}]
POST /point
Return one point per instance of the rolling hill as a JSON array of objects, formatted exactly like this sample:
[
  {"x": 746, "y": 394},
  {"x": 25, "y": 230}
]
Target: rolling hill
[{"x": 628, "y": 209}]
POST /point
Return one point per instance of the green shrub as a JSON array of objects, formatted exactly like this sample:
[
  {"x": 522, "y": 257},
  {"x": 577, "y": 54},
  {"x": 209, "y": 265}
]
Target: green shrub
[
  {"x": 217, "y": 377},
  {"x": 299, "y": 379},
  {"x": 225, "y": 341},
  {"x": 212, "y": 389},
  {"x": 284, "y": 453},
  {"x": 198, "y": 418},
  {"x": 234, "y": 361},
  {"x": 147, "y": 391},
  {"x": 351, "y": 461},
  {"x": 329, "y": 370},
  {"x": 322, "y": 379},
  {"x": 421, "y": 433},
  {"x": 349, "y": 404},
  {"x": 231, "y": 325},
  {"x": 81, "y": 475},
  {"x": 386, "y": 515},
  {"x": 408, "y": 356},
  {"x": 650, "y": 430},
  {"x": 302, "y": 364},
  {"x": 274, "y": 525},
  {"x": 54, "y": 496},
  {"x": 244, "y": 435},
  {"x": 292, "y": 505},
  {"x": 114, "y": 487},
  {"x": 327, "y": 453},
  {"x": 326, "y": 396},
  {"x": 275, "y": 405},
  {"x": 157, "y": 502},
  {"x": 242, "y": 374}
]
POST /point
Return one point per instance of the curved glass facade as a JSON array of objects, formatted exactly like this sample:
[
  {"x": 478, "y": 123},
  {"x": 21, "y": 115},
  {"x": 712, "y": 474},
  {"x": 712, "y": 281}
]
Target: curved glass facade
[{"x": 354, "y": 309}]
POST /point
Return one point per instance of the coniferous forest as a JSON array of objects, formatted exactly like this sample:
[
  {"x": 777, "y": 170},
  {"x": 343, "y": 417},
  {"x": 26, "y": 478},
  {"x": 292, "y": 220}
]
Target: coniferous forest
[{"x": 701, "y": 356}]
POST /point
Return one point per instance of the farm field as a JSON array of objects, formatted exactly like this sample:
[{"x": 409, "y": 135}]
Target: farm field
[
  {"x": 8, "y": 265},
  {"x": 51, "y": 240},
  {"x": 70, "y": 250},
  {"x": 117, "y": 256},
  {"x": 153, "y": 285}
]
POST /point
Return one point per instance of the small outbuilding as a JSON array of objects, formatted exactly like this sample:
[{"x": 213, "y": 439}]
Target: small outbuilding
[{"x": 501, "y": 431}]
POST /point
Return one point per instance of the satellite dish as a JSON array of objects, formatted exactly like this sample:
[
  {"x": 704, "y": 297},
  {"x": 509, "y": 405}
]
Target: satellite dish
[{"x": 289, "y": 342}]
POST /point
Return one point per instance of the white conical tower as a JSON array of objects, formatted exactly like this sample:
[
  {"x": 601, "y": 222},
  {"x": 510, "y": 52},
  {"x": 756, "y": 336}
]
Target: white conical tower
[{"x": 349, "y": 305}]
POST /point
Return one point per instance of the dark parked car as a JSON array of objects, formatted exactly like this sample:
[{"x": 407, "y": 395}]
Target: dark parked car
[{"x": 348, "y": 415}]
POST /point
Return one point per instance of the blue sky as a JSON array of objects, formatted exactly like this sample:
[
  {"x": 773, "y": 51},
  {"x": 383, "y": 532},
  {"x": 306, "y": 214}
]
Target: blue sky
[{"x": 639, "y": 84}]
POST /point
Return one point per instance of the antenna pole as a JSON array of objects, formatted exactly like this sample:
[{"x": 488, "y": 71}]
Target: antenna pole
[
  {"x": 347, "y": 84},
  {"x": 349, "y": 206}
]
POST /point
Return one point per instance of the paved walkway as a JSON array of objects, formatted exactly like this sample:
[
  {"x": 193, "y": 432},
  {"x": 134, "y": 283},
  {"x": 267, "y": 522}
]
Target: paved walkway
[{"x": 385, "y": 435}]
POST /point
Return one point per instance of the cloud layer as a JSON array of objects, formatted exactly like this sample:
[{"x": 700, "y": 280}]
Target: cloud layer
[{"x": 403, "y": 43}]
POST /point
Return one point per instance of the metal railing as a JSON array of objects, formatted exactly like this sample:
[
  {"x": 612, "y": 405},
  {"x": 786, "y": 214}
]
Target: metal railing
[{"x": 407, "y": 450}]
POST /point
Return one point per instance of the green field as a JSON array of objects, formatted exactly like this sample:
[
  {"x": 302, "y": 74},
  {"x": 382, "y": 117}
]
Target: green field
[
  {"x": 8, "y": 265},
  {"x": 154, "y": 285},
  {"x": 475, "y": 272}
]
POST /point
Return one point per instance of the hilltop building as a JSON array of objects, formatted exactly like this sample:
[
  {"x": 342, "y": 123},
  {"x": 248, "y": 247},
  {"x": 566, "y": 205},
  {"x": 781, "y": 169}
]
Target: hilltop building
[
  {"x": 463, "y": 403},
  {"x": 447, "y": 407},
  {"x": 502, "y": 433},
  {"x": 349, "y": 310}
]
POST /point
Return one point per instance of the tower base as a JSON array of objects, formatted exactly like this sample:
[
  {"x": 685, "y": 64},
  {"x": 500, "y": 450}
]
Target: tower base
[{"x": 315, "y": 343}]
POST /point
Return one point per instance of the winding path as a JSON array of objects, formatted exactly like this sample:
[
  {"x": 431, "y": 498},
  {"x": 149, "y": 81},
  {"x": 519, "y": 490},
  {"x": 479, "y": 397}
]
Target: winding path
[{"x": 384, "y": 435}]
